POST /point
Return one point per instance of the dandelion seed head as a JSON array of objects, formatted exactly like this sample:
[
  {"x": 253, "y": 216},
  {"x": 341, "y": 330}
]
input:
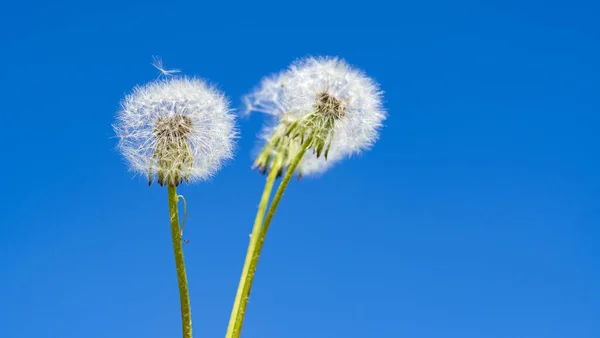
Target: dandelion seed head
[
  {"x": 345, "y": 96},
  {"x": 175, "y": 129}
]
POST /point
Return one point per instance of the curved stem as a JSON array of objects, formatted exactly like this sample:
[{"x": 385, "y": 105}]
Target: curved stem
[
  {"x": 260, "y": 239},
  {"x": 237, "y": 313},
  {"x": 184, "y": 297}
]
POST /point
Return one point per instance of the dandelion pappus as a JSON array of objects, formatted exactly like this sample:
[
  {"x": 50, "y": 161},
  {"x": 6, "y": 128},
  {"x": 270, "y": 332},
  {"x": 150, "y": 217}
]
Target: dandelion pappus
[{"x": 158, "y": 64}]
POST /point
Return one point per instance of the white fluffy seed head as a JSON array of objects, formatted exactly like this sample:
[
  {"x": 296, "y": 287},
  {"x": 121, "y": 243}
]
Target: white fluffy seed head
[
  {"x": 295, "y": 93},
  {"x": 175, "y": 129}
]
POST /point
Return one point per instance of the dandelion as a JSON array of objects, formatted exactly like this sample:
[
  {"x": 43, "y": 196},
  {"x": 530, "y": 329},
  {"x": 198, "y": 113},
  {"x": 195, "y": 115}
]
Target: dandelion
[
  {"x": 322, "y": 111},
  {"x": 176, "y": 130}
]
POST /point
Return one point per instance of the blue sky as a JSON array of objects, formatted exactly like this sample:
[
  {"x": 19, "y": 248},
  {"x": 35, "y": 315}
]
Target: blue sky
[{"x": 475, "y": 215}]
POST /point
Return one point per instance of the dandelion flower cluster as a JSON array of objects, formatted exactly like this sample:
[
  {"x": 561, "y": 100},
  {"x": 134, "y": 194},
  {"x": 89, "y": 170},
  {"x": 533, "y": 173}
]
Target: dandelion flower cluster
[
  {"x": 325, "y": 100},
  {"x": 176, "y": 129}
]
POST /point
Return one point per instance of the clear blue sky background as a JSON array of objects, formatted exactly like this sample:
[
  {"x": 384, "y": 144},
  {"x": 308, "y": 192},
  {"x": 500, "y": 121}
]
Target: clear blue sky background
[{"x": 475, "y": 215}]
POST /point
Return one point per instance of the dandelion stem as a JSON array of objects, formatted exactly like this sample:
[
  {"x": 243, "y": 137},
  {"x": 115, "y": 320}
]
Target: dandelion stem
[
  {"x": 257, "y": 240},
  {"x": 243, "y": 292},
  {"x": 184, "y": 297}
]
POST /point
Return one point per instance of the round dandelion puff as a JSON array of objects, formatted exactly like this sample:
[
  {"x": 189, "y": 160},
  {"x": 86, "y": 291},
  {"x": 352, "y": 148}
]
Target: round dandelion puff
[
  {"x": 322, "y": 99},
  {"x": 175, "y": 129},
  {"x": 323, "y": 110}
]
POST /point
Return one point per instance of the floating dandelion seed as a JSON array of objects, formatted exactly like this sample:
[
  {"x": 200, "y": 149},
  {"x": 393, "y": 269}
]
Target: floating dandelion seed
[
  {"x": 324, "y": 96},
  {"x": 175, "y": 130},
  {"x": 158, "y": 64}
]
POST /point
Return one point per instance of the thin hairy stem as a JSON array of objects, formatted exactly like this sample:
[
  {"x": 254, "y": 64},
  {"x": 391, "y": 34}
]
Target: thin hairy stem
[
  {"x": 243, "y": 292},
  {"x": 254, "y": 253},
  {"x": 184, "y": 297}
]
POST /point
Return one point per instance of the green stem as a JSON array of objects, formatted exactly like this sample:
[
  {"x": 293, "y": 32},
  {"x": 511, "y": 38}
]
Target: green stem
[
  {"x": 254, "y": 253},
  {"x": 241, "y": 297},
  {"x": 184, "y": 297}
]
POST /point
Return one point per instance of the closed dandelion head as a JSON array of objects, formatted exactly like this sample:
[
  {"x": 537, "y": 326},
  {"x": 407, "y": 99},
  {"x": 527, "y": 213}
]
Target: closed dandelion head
[
  {"x": 175, "y": 130},
  {"x": 319, "y": 100}
]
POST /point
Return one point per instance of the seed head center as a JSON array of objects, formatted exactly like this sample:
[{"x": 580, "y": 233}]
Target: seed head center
[
  {"x": 171, "y": 150},
  {"x": 330, "y": 106},
  {"x": 174, "y": 128}
]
